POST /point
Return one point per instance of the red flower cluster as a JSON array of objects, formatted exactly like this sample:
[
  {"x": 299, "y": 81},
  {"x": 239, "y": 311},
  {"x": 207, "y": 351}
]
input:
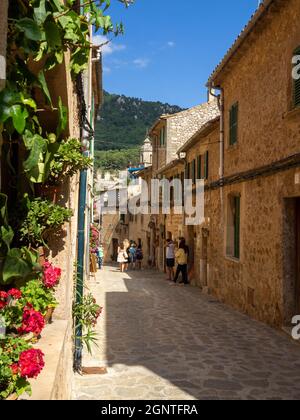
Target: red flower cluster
[
  {"x": 4, "y": 297},
  {"x": 3, "y": 300},
  {"x": 30, "y": 364},
  {"x": 15, "y": 293},
  {"x": 32, "y": 321},
  {"x": 51, "y": 275}
]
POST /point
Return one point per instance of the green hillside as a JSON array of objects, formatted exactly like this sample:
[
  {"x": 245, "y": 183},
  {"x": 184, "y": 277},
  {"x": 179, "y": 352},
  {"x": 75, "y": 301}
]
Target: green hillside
[{"x": 122, "y": 122}]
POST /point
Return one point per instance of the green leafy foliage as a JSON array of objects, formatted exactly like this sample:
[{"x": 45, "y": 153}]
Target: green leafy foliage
[
  {"x": 86, "y": 314},
  {"x": 6, "y": 232},
  {"x": 10, "y": 350},
  {"x": 43, "y": 217},
  {"x": 36, "y": 294},
  {"x": 124, "y": 121},
  {"x": 116, "y": 160},
  {"x": 19, "y": 264},
  {"x": 67, "y": 161}
]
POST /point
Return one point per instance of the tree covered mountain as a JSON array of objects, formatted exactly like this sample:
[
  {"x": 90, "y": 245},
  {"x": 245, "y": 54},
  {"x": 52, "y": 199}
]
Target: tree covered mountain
[{"x": 123, "y": 121}]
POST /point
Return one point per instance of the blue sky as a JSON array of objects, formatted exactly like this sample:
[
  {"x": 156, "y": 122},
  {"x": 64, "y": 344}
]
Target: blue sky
[{"x": 170, "y": 47}]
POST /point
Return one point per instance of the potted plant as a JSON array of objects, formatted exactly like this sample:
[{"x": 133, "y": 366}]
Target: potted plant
[
  {"x": 86, "y": 314},
  {"x": 43, "y": 218},
  {"x": 67, "y": 161},
  {"x": 18, "y": 363},
  {"x": 41, "y": 298}
]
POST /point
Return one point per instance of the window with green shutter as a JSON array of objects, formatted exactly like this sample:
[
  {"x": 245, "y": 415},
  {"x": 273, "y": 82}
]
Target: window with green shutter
[
  {"x": 296, "y": 82},
  {"x": 162, "y": 136},
  {"x": 199, "y": 167},
  {"x": 233, "y": 124},
  {"x": 206, "y": 163}
]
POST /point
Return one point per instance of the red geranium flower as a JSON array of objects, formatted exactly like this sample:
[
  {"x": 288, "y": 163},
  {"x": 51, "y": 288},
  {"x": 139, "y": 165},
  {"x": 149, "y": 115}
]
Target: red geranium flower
[
  {"x": 3, "y": 299},
  {"x": 32, "y": 321},
  {"x": 31, "y": 363},
  {"x": 51, "y": 275},
  {"x": 15, "y": 293}
]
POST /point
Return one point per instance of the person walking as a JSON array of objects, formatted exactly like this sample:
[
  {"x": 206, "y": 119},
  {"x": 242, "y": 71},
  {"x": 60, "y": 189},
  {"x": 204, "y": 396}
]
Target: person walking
[
  {"x": 139, "y": 256},
  {"x": 122, "y": 258},
  {"x": 170, "y": 259},
  {"x": 132, "y": 256},
  {"x": 126, "y": 245},
  {"x": 100, "y": 255},
  {"x": 181, "y": 257}
]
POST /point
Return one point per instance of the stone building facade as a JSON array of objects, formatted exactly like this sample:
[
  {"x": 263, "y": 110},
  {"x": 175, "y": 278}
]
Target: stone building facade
[
  {"x": 201, "y": 163},
  {"x": 247, "y": 250},
  {"x": 254, "y": 237},
  {"x": 170, "y": 132}
]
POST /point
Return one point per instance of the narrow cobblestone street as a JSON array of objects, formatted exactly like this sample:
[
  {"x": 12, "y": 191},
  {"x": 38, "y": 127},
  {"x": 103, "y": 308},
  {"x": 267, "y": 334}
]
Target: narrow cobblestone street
[{"x": 163, "y": 342}]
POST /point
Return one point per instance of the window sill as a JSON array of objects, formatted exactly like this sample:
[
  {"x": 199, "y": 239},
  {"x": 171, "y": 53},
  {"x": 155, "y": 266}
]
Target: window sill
[
  {"x": 233, "y": 259},
  {"x": 293, "y": 113},
  {"x": 232, "y": 147}
]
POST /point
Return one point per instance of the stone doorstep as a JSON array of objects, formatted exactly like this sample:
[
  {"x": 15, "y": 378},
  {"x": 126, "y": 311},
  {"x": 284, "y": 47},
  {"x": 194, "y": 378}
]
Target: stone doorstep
[
  {"x": 288, "y": 331},
  {"x": 52, "y": 345}
]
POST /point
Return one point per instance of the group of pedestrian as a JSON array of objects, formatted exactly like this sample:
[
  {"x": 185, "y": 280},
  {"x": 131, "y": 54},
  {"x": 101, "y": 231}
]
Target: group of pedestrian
[
  {"x": 180, "y": 257},
  {"x": 130, "y": 256}
]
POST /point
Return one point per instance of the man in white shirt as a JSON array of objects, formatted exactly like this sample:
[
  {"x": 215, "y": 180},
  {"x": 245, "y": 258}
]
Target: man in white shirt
[{"x": 170, "y": 259}]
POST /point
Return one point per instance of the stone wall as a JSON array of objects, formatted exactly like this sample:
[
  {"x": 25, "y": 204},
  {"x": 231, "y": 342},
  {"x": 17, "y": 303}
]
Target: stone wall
[
  {"x": 263, "y": 281},
  {"x": 260, "y": 80},
  {"x": 112, "y": 229},
  {"x": 182, "y": 126}
]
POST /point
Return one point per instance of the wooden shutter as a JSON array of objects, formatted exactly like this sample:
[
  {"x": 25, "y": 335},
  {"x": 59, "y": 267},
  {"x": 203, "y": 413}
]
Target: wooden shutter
[
  {"x": 237, "y": 223},
  {"x": 233, "y": 129},
  {"x": 297, "y": 85},
  {"x": 206, "y": 163},
  {"x": 162, "y": 136},
  {"x": 194, "y": 171},
  {"x": 199, "y": 169},
  {"x": 186, "y": 174}
]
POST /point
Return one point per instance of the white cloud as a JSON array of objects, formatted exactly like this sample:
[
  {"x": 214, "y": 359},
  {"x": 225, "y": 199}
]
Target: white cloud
[
  {"x": 106, "y": 69},
  {"x": 141, "y": 63},
  {"x": 109, "y": 47},
  {"x": 171, "y": 44}
]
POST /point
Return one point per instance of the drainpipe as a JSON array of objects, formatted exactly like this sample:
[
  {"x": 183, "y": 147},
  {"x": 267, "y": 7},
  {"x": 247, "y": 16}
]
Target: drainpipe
[
  {"x": 82, "y": 237},
  {"x": 220, "y": 99},
  {"x": 80, "y": 265}
]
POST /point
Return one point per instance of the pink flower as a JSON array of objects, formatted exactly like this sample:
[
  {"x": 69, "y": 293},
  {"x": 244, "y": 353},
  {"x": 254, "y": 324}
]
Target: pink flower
[
  {"x": 51, "y": 275},
  {"x": 15, "y": 293},
  {"x": 32, "y": 321},
  {"x": 31, "y": 363}
]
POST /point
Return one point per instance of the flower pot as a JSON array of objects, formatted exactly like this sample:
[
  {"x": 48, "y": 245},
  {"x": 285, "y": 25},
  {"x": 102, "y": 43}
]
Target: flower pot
[
  {"x": 12, "y": 397},
  {"x": 42, "y": 255},
  {"x": 52, "y": 192},
  {"x": 48, "y": 316}
]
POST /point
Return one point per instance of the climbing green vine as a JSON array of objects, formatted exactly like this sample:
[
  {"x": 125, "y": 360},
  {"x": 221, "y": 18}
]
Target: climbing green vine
[{"x": 40, "y": 35}]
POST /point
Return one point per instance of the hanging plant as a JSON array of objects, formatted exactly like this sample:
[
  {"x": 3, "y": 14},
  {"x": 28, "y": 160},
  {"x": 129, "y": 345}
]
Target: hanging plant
[{"x": 43, "y": 218}]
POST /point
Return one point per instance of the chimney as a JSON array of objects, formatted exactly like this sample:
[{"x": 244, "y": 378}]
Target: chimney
[{"x": 210, "y": 95}]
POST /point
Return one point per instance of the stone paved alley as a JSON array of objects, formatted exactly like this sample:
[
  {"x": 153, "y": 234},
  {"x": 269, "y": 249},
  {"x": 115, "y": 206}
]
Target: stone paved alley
[{"x": 163, "y": 342}]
